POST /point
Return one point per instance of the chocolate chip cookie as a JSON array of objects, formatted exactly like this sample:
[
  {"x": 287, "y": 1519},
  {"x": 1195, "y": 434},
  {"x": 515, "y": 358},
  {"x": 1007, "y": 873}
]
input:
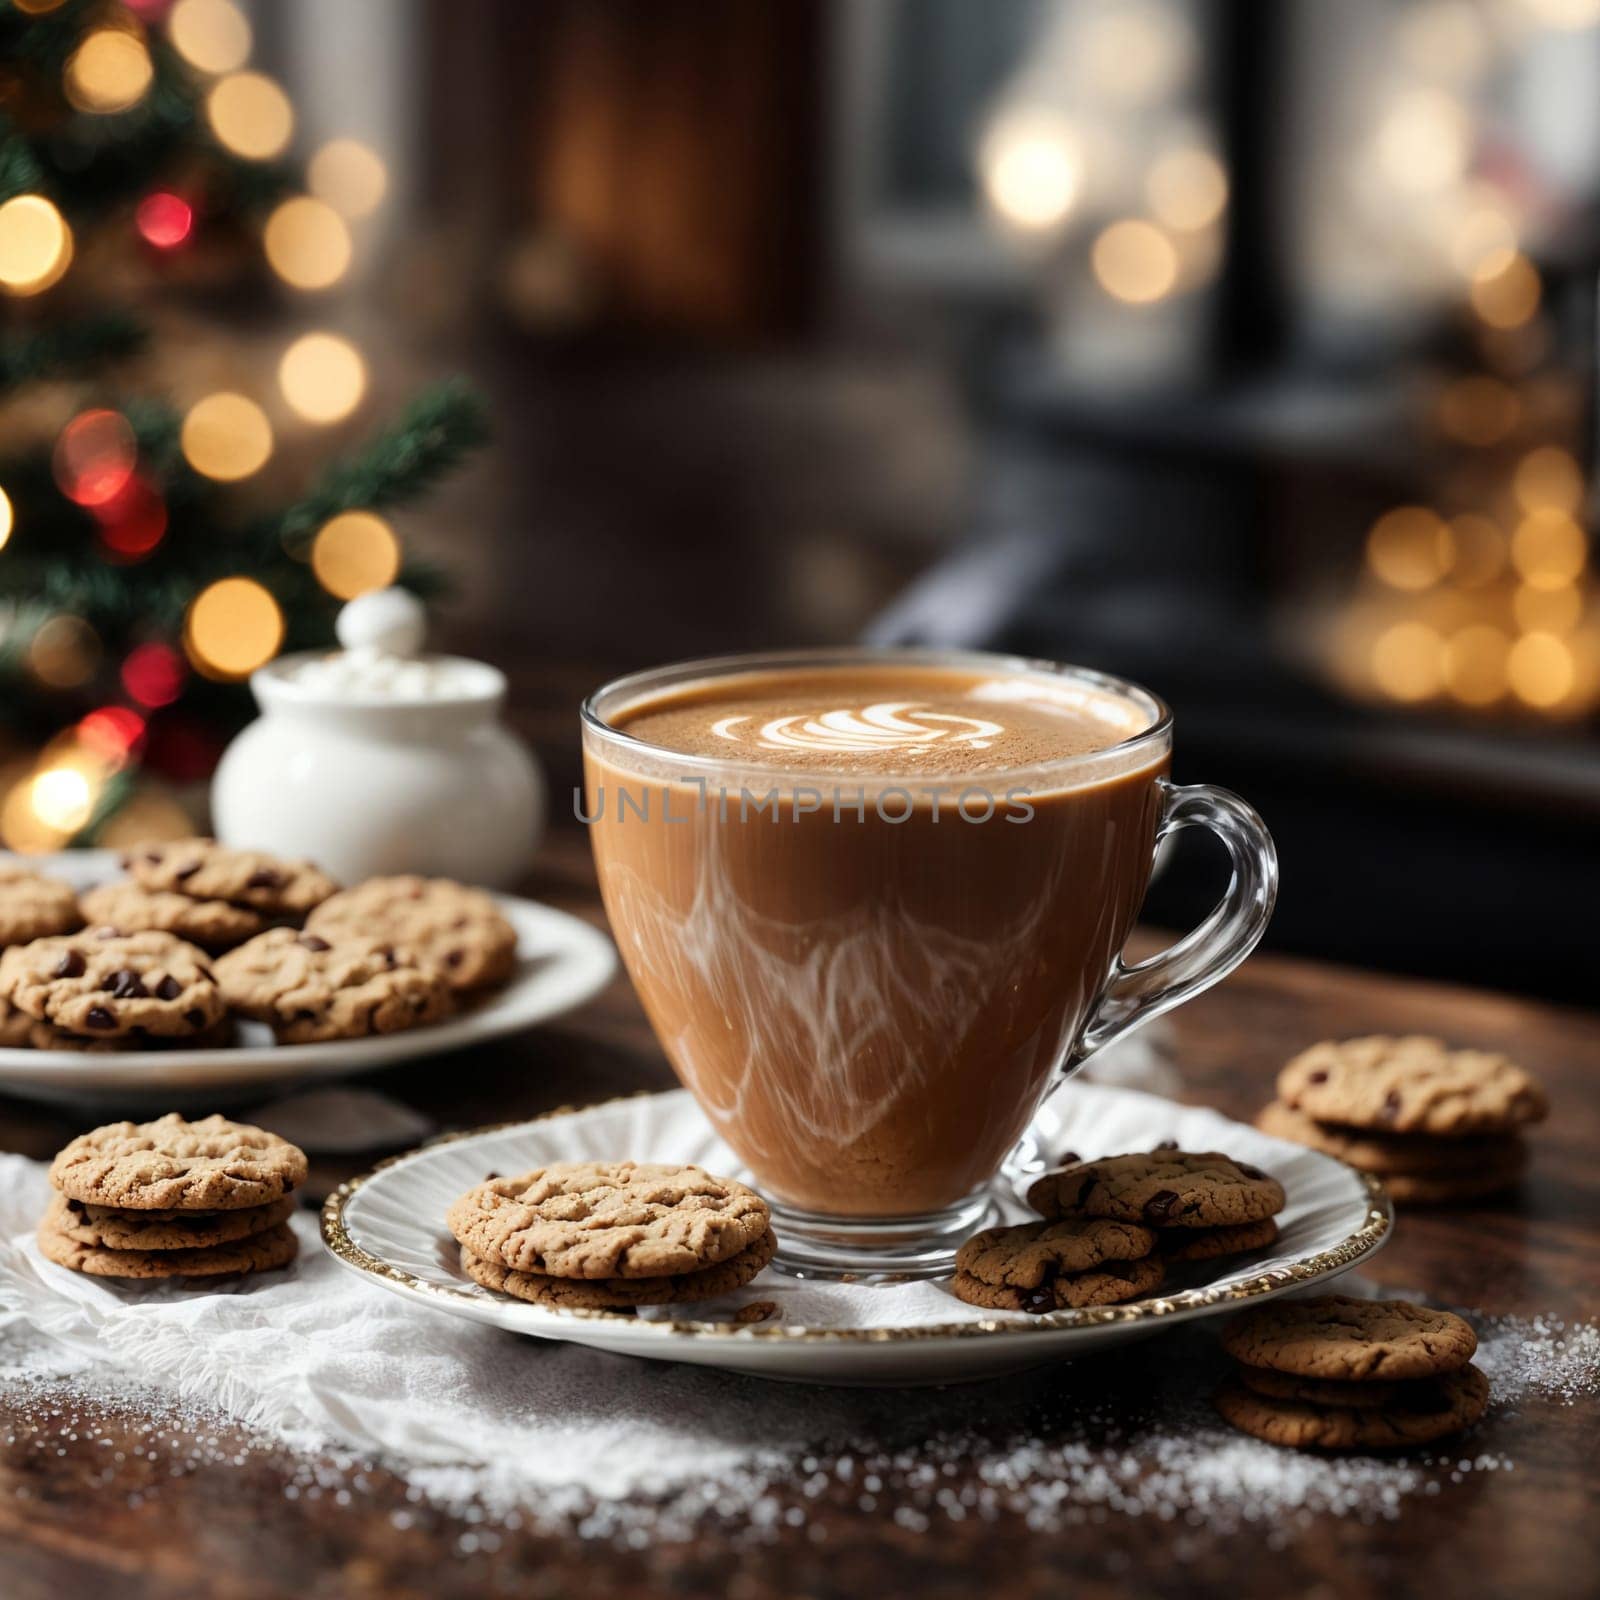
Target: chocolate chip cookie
[
  {"x": 1411, "y": 1085},
  {"x": 1432, "y": 1410},
  {"x": 1108, "y": 1285},
  {"x": 1160, "y": 1189},
  {"x": 276, "y": 1247},
  {"x": 1340, "y": 1338},
  {"x": 108, "y": 1228},
  {"x": 1031, "y": 1253},
  {"x": 101, "y": 983},
  {"x": 622, "y": 1294},
  {"x": 602, "y": 1220},
  {"x": 311, "y": 987},
  {"x": 1382, "y": 1154},
  {"x": 173, "y": 1164},
  {"x": 457, "y": 931},
  {"x": 1325, "y": 1391},
  {"x": 214, "y": 925},
  {"x": 206, "y": 870},
  {"x": 1211, "y": 1244},
  {"x": 33, "y": 906}
]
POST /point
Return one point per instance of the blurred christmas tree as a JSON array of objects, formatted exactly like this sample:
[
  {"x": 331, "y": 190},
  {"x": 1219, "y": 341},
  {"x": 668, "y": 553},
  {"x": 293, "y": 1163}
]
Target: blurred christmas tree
[{"x": 147, "y": 567}]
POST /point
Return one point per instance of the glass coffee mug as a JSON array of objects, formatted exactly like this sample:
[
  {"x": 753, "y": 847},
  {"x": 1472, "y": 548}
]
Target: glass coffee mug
[{"x": 868, "y": 969}]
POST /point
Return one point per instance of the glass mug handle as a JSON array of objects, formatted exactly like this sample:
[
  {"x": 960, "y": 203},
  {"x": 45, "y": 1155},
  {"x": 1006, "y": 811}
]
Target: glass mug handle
[{"x": 1135, "y": 993}]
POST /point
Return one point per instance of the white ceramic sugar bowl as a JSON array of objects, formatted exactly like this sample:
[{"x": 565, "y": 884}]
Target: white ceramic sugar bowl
[{"x": 378, "y": 760}]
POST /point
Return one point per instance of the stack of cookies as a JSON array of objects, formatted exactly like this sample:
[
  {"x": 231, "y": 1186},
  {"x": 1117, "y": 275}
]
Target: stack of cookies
[
  {"x": 173, "y": 1199},
  {"x": 1334, "y": 1373},
  {"x": 612, "y": 1236},
  {"x": 1436, "y": 1125},
  {"x": 1112, "y": 1227}
]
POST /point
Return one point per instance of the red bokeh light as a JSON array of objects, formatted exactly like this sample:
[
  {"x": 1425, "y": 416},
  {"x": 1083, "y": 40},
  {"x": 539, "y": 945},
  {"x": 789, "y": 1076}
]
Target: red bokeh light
[
  {"x": 132, "y": 524},
  {"x": 94, "y": 457},
  {"x": 164, "y": 220},
  {"x": 112, "y": 731},
  {"x": 153, "y": 674}
]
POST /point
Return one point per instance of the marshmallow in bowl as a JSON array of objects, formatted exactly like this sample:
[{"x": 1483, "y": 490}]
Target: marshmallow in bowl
[{"x": 372, "y": 674}]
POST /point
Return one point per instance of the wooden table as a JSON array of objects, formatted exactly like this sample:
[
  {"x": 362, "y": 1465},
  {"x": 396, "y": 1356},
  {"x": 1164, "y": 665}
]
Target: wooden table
[{"x": 81, "y": 1517}]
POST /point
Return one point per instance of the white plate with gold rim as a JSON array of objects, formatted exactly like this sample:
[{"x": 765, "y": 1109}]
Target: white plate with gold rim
[
  {"x": 561, "y": 962},
  {"x": 389, "y": 1225}
]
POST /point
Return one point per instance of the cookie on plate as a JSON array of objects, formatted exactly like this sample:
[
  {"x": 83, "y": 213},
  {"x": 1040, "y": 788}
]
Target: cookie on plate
[
  {"x": 1212, "y": 1244},
  {"x": 110, "y": 1228},
  {"x": 101, "y": 983},
  {"x": 457, "y": 931},
  {"x": 261, "y": 1252},
  {"x": 1411, "y": 1085},
  {"x": 1030, "y": 1254},
  {"x": 1427, "y": 1411},
  {"x": 202, "y": 869},
  {"x": 214, "y": 925},
  {"x": 33, "y": 906},
  {"x": 618, "y": 1219},
  {"x": 1161, "y": 1189},
  {"x": 173, "y": 1164},
  {"x": 1340, "y": 1338},
  {"x": 623, "y": 1294},
  {"x": 1108, "y": 1285},
  {"x": 311, "y": 987}
]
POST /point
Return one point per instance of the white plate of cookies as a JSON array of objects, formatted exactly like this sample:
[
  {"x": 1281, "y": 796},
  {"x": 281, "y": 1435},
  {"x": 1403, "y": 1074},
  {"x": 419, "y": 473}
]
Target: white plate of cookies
[
  {"x": 185, "y": 970},
  {"x": 445, "y": 1226}
]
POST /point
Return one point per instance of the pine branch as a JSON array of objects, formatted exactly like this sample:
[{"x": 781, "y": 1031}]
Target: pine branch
[
  {"x": 430, "y": 438},
  {"x": 69, "y": 349}
]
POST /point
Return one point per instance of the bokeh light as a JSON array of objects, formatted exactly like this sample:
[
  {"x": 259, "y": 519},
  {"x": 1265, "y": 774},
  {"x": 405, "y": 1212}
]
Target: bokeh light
[
  {"x": 1475, "y": 664},
  {"x": 1410, "y": 548},
  {"x": 1542, "y": 670},
  {"x": 1505, "y": 289},
  {"x": 62, "y": 798},
  {"x": 1479, "y": 410},
  {"x": 164, "y": 220},
  {"x": 349, "y": 176},
  {"x": 1135, "y": 51},
  {"x": 1481, "y": 551},
  {"x": 64, "y": 652},
  {"x": 1484, "y": 233},
  {"x": 322, "y": 377},
  {"x": 226, "y": 437},
  {"x": 133, "y": 523},
  {"x": 307, "y": 243},
  {"x": 1548, "y": 477},
  {"x": 94, "y": 457},
  {"x": 1135, "y": 262},
  {"x": 233, "y": 627},
  {"x": 153, "y": 674},
  {"x": 1563, "y": 14},
  {"x": 36, "y": 8},
  {"x": 1424, "y": 141},
  {"x": 109, "y": 72},
  {"x": 250, "y": 115},
  {"x": 210, "y": 34},
  {"x": 1408, "y": 661},
  {"x": 1187, "y": 189},
  {"x": 354, "y": 552},
  {"x": 1031, "y": 168},
  {"x": 1548, "y": 549},
  {"x": 111, "y": 732},
  {"x": 8, "y": 519},
  {"x": 1554, "y": 610},
  {"x": 35, "y": 245}
]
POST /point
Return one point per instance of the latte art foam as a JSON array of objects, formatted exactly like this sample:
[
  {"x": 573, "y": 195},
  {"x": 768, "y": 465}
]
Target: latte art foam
[{"x": 891, "y": 725}]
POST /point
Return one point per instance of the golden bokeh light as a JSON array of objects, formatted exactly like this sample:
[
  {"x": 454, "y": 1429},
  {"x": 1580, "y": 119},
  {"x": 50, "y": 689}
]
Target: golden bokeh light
[
  {"x": 35, "y": 245},
  {"x": 1548, "y": 478},
  {"x": 8, "y": 519},
  {"x": 1542, "y": 670},
  {"x": 64, "y": 652},
  {"x": 226, "y": 437},
  {"x": 349, "y": 176},
  {"x": 322, "y": 377},
  {"x": 1408, "y": 661},
  {"x": 355, "y": 552},
  {"x": 1483, "y": 234},
  {"x": 1555, "y": 610},
  {"x": 307, "y": 243},
  {"x": 1505, "y": 289},
  {"x": 1187, "y": 189},
  {"x": 1481, "y": 551},
  {"x": 1135, "y": 262},
  {"x": 1479, "y": 410},
  {"x": 109, "y": 72},
  {"x": 36, "y": 8},
  {"x": 1410, "y": 548},
  {"x": 1548, "y": 549},
  {"x": 233, "y": 627},
  {"x": 1135, "y": 51},
  {"x": 1031, "y": 169},
  {"x": 62, "y": 798},
  {"x": 1424, "y": 140},
  {"x": 1475, "y": 664},
  {"x": 212, "y": 35},
  {"x": 250, "y": 115}
]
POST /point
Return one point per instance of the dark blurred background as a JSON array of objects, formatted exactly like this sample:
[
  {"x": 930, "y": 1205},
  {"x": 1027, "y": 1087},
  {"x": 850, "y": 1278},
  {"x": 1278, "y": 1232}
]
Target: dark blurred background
[{"x": 1243, "y": 347}]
